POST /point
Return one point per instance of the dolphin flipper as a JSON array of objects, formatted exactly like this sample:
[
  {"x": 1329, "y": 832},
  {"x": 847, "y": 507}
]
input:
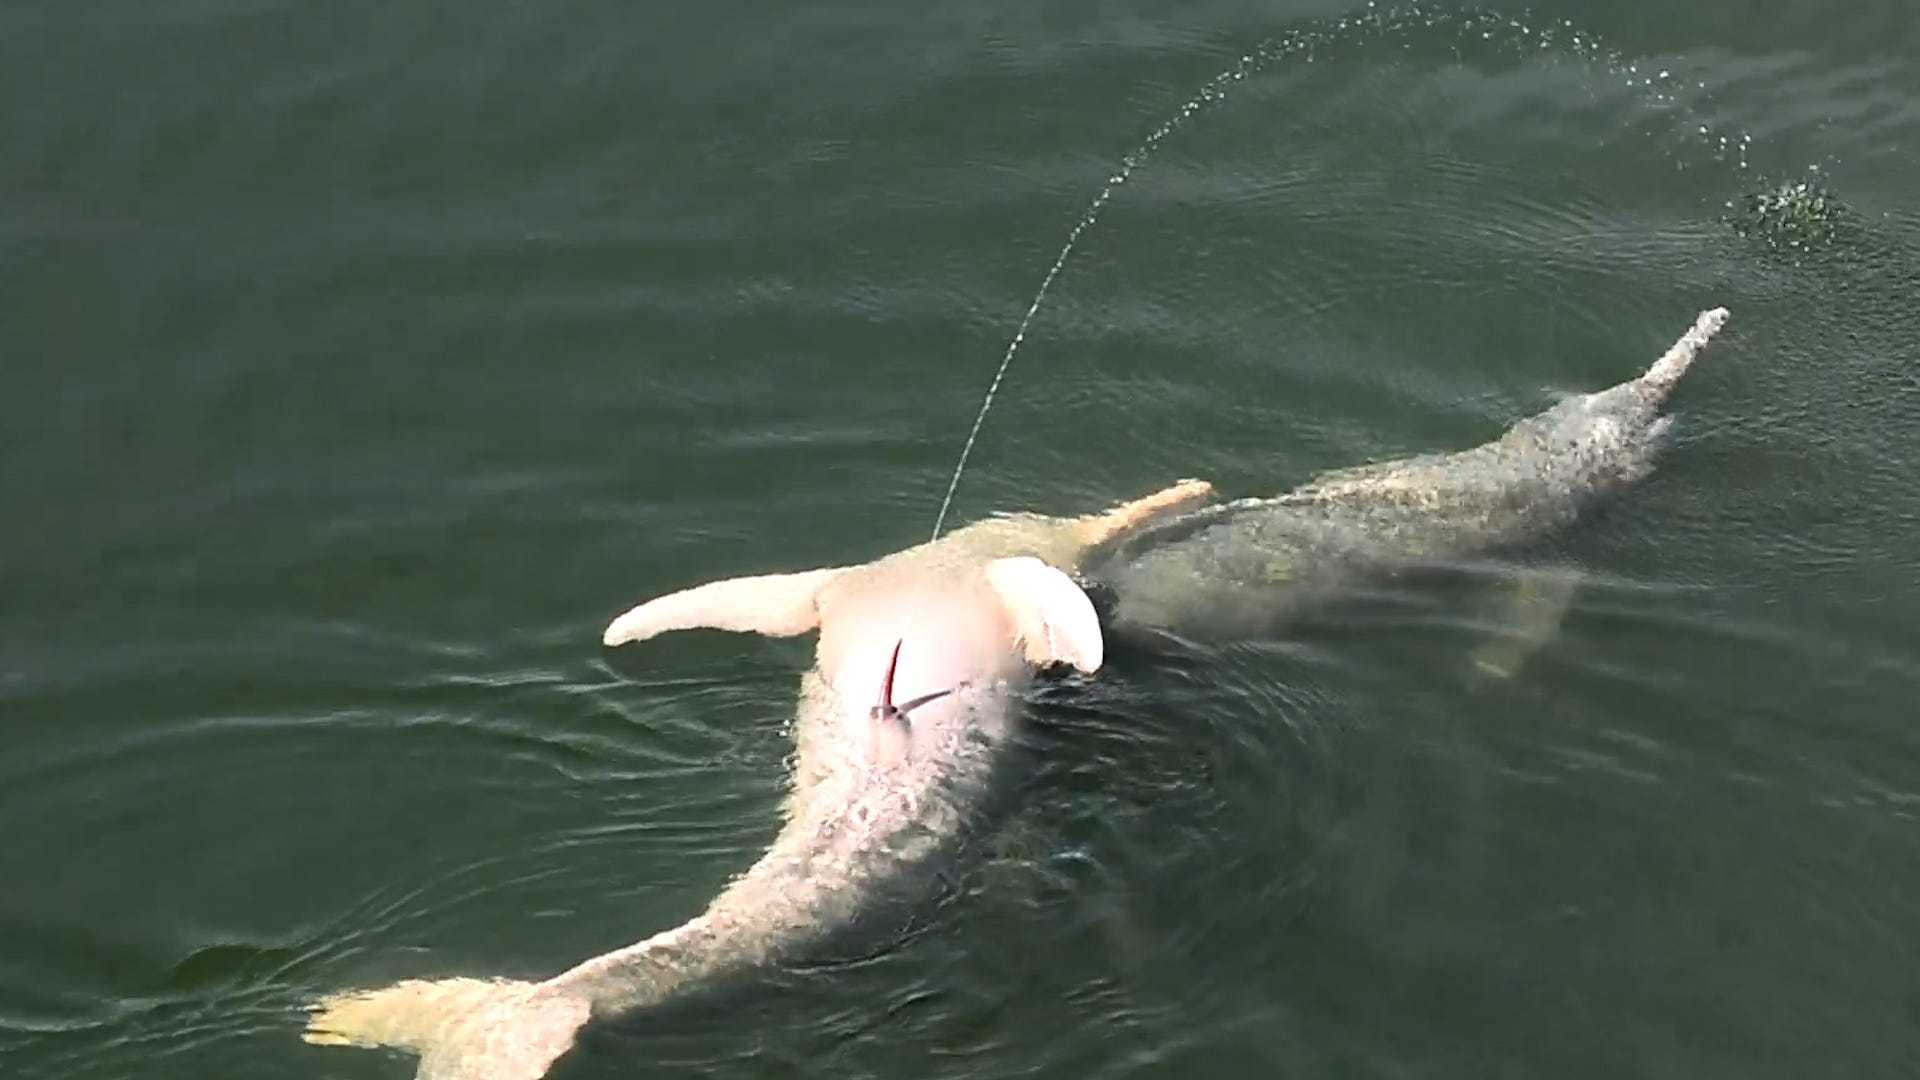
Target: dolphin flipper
[
  {"x": 778, "y": 605},
  {"x": 1184, "y": 496},
  {"x": 1534, "y": 603},
  {"x": 1051, "y": 615}
]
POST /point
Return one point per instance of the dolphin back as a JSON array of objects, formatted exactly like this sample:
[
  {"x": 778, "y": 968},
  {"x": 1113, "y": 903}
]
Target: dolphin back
[{"x": 1248, "y": 566}]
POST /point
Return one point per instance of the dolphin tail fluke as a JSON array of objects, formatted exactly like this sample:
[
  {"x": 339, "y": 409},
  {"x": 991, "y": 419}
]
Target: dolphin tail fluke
[
  {"x": 1666, "y": 371},
  {"x": 463, "y": 1029}
]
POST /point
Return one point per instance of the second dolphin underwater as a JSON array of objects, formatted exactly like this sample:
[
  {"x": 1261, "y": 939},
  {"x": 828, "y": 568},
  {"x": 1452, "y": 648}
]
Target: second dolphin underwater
[{"x": 922, "y": 653}]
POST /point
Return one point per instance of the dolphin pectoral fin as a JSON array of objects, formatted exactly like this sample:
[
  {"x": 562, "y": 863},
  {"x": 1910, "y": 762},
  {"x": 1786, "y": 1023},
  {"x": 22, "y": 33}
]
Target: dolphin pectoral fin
[
  {"x": 1097, "y": 529},
  {"x": 1052, "y": 617},
  {"x": 1530, "y": 610},
  {"x": 779, "y": 605}
]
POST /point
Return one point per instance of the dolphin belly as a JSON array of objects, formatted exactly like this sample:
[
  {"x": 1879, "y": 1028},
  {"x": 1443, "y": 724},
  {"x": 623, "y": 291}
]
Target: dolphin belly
[{"x": 900, "y": 724}]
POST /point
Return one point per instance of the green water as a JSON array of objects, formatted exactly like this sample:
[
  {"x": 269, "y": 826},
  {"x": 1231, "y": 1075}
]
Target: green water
[{"x": 358, "y": 361}]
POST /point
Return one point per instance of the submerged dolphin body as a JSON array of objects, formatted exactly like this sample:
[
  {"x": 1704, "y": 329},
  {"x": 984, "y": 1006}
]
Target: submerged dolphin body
[
  {"x": 899, "y": 725},
  {"x": 1246, "y": 566}
]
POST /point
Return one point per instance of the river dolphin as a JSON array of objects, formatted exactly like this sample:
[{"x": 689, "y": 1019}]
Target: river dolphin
[
  {"x": 1246, "y": 566},
  {"x": 899, "y": 723}
]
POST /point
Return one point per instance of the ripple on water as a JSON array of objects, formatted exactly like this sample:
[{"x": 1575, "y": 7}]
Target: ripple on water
[
  {"x": 1250, "y": 851},
  {"x": 590, "y": 776}
]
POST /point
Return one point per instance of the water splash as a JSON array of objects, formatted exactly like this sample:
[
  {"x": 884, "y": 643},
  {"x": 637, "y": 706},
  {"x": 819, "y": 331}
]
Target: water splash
[
  {"x": 1666, "y": 93},
  {"x": 1792, "y": 219}
]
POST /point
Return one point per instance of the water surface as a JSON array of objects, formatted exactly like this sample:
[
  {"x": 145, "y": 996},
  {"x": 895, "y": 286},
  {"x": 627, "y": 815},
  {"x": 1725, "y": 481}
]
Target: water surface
[{"x": 358, "y": 361}]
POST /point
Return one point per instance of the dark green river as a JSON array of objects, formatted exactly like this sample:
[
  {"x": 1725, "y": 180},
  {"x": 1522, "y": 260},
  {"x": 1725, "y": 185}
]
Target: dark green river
[{"x": 359, "y": 361}]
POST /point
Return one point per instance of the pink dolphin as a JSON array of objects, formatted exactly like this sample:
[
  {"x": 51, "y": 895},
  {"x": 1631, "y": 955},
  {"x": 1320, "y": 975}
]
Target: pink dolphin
[{"x": 898, "y": 727}]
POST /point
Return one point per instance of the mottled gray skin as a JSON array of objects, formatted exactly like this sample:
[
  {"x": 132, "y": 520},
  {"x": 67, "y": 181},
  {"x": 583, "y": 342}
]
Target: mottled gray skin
[{"x": 1248, "y": 566}]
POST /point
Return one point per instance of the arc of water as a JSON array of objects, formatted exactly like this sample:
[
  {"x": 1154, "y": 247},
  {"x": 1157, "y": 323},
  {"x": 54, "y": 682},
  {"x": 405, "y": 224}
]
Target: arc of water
[
  {"x": 1211, "y": 92},
  {"x": 1472, "y": 25}
]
